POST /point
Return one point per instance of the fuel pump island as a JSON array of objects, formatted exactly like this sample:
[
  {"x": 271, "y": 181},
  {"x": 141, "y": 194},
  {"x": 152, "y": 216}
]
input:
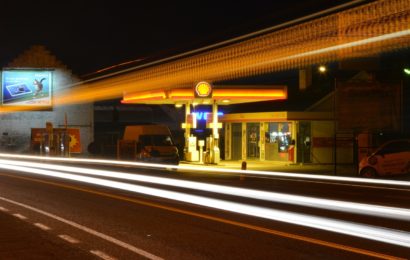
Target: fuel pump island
[{"x": 204, "y": 93}]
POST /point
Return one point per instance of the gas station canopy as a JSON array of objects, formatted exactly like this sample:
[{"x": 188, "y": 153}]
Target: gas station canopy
[
  {"x": 220, "y": 96},
  {"x": 205, "y": 94}
]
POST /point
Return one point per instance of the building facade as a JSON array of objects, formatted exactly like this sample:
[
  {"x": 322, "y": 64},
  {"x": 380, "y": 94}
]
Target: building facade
[{"x": 16, "y": 126}]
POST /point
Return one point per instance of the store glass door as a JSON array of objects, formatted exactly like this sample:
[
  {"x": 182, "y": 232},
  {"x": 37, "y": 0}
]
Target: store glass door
[{"x": 252, "y": 140}]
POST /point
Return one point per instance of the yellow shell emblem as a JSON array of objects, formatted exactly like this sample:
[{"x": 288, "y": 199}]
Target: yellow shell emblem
[
  {"x": 73, "y": 141},
  {"x": 203, "y": 89}
]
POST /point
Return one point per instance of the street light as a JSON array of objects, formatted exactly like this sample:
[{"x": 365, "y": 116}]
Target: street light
[
  {"x": 407, "y": 70},
  {"x": 322, "y": 68}
]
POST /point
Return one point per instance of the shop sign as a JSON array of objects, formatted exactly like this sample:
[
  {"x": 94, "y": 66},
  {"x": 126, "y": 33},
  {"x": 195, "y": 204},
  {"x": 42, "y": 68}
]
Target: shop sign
[
  {"x": 202, "y": 116},
  {"x": 203, "y": 90},
  {"x": 75, "y": 141}
]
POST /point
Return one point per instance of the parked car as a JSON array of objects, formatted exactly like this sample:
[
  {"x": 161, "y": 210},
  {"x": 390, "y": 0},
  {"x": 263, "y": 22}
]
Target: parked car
[
  {"x": 391, "y": 158},
  {"x": 148, "y": 143}
]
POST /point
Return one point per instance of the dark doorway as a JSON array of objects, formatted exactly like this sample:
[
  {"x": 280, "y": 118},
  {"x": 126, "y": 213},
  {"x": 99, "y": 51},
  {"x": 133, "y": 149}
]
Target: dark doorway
[
  {"x": 236, "y": 141},
  {"x": 304, "y": 142}
]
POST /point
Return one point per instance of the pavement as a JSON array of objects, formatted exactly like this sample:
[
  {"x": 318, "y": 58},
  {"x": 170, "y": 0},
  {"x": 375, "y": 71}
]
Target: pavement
[
  {"x": 348, "y": 170},
  {"x": 19, "y": 241}
]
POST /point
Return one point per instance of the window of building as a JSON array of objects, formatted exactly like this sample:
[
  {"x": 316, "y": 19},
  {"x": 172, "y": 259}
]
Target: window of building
[{"x": 280, "y": 133}]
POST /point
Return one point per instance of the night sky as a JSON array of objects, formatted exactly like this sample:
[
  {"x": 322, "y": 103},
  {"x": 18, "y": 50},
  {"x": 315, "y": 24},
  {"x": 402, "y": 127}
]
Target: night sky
[{"x": 89, "y": 35}]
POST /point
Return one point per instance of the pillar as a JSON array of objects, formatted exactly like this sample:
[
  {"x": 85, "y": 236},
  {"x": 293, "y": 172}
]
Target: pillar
[{"x": 187, "y": 126}]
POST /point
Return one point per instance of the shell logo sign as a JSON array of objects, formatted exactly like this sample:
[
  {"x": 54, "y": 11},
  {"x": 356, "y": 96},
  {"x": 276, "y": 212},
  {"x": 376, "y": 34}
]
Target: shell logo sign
[
  {"x": 75, "y": 142},
  {"x": 203, "y": 90}
]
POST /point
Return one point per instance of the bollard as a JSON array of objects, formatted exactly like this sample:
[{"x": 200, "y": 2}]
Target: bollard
[{"x": 243, "y": 167}]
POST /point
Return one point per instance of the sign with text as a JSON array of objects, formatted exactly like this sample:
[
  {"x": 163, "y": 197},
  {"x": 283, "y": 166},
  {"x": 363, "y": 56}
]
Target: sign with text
[
  {"x": 203, "y": 116},
  {"x": 27, "y": 88}
]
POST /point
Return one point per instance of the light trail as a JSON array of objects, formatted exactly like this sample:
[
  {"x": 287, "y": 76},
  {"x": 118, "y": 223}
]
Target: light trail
[
  {"x": 330, "y": 49},
  {"x": 211, "y": 169},
  {"x": 331, "y": 35},
  {"x": 390, "y": 236},
  {"x": 335, "y": 205}
]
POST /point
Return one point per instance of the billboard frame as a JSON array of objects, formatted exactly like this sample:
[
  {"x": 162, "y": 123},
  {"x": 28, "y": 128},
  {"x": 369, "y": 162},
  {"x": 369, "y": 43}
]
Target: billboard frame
[{"x": 27, "y": 88}]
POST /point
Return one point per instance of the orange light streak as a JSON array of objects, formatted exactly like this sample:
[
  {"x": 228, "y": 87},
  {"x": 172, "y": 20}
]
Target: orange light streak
[
  {"x": 378, "y": 27},
  {"x": 265, "y": 94},
  {"x": 149, "y": 95},
  {"x": 176, "y": 94}
]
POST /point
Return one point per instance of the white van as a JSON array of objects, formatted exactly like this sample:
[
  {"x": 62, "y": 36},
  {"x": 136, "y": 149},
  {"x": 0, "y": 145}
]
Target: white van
[
  {"x": 391, "y": 158},
  {"x": 149, "y": 143}
]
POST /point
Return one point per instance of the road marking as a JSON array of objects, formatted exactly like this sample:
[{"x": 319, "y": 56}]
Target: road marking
[
  {"x": 4, "y": 209},
  {"x": 19, "y": 216},
  {"x": 204, "y": 216},
  {"x": 41, "y": 226},
  {"x": 69, "y": 239},
  {"x": 87, "y": 230},
  {"x": 102, "y": 255}
]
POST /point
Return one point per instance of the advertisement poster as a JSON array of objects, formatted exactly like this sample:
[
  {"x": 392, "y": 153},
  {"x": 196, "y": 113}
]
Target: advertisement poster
[
  {"x": 75, "y": 141},
  {"x": 38, "y": 137},
  {"x": 26, "y": 88}
]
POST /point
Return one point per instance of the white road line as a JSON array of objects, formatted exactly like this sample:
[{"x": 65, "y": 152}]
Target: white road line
[
  {"x": 69, "y": 239},
  {"x": 102, "y": 255},
  {"x": 4, "y": 209},
  {"x": 19, "y": 216},
  {"x": 88, "y": 230},
  {"x": 41, "y": 226}
]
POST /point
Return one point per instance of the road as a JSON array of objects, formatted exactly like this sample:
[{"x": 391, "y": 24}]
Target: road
[{"x": 59, "y": 218}]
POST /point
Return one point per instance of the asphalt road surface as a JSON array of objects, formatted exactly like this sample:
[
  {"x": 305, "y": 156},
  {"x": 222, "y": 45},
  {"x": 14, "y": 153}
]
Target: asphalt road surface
[{"x": 54, "y": 217}]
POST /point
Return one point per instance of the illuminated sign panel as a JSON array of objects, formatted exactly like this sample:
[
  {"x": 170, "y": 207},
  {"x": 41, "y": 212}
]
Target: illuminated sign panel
[
  {"x": 26, "y": 88},
  {"x": 203, "y": 90},
  {"x": 202, "y": 116}
]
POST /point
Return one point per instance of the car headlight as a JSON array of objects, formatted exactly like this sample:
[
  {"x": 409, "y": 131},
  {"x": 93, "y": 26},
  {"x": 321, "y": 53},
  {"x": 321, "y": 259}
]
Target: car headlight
[{"x": 372, "y": 160}]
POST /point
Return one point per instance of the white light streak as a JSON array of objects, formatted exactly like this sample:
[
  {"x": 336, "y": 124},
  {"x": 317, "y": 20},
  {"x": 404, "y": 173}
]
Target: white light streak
[
  {"x": 212, "y": 170},
  {"x": 351, "y": 207},
  {"x": 385, "y": 235}
]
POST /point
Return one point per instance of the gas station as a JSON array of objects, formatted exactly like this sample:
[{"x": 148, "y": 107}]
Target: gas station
[{"x": 204, "y": 93}]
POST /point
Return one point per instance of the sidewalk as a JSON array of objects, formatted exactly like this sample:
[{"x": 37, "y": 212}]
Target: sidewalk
[{"x": 326, "y": 169}]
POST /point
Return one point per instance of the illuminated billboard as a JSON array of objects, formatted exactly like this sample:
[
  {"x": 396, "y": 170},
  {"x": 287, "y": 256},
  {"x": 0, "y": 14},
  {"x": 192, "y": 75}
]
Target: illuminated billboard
[{"x": 26, "y": 88}]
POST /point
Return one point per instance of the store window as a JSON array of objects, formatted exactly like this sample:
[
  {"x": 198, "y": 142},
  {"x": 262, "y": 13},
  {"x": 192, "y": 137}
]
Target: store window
[{"x": 280, "y": 133}]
